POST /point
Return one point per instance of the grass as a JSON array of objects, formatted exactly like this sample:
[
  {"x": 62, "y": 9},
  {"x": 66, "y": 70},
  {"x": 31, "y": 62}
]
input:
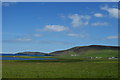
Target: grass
[
  {"x": 101, "y": 53},
  {"x": 93, "y": 53},
  {"x": 65, "y": 67}
]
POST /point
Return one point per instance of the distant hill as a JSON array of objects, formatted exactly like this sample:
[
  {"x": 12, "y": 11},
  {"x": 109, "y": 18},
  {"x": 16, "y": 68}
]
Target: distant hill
[
  {"x": 83, "y": 51},
  {"x": 31, "y": 53},
  {"x": 92, "y": 50}
]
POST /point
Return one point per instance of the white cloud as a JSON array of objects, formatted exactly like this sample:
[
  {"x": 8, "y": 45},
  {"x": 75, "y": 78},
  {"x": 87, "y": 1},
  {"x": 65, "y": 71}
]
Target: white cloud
[
  {"x": 76, "y": 35},
  {"x": 24, "y": 39},
  {"x": 112, "y": 37},
  {"x": 100, "y": 24},
  {"x": 79, "y": 20},
  {"x": 37, "y": 35},
  {"x": 86, "y": 17},
  {"x": 55, "y": 42},
  {"x": 112, "y": 11},
  {"x": 98, "y": 15},
  {"x": 56, "y": 28}
]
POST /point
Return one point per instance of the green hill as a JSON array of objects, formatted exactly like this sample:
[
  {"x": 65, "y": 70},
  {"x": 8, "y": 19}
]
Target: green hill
[{"x": 89, "y": 51}]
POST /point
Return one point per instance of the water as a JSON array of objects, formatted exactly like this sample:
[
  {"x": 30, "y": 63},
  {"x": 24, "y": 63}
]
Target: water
[
  {"x": 12, "y": 57},
  {"x": 16, "y": 58},
  {"x": 21, "y": 55}
]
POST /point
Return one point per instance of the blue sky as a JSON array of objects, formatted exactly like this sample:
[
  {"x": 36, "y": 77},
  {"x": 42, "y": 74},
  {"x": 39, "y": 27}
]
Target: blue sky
[{"x": 50, "y": 26}]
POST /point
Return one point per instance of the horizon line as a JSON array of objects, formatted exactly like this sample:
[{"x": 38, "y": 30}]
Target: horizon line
[{"x": 56, "y": 50}]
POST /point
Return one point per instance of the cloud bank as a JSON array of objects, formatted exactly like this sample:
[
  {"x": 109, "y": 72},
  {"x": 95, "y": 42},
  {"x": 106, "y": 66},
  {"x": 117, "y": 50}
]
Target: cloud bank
[
  {"x": 77, "y": 20},
  {"x": 98, "y": 15},
  {"x": 54, "y": 28},
  {"x": 112, "y": 11}
]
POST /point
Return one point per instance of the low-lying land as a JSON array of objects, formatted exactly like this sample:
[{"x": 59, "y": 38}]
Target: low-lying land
[
  {"x": 70, "y": 67},
  {"x": 78, "y": 62}
]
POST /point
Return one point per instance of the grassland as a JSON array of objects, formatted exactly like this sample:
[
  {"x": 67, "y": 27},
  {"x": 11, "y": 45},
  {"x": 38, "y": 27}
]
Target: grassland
[
  {"x": 101, "y": 53},
  {"x": 64, "y": 67}
]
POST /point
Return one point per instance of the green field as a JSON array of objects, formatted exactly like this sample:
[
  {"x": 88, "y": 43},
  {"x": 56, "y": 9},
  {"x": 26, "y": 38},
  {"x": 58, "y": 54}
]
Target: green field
[
  {"x": 65, "y": 67},
  {"x": 95, "y": 53},
  {"x": 102, "y": 53}
]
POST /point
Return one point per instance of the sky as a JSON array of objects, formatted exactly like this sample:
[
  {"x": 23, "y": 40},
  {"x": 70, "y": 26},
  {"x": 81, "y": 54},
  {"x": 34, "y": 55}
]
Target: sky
[
  {"x": 60, "y": 0},
  {"x": 51, "y": 26}
]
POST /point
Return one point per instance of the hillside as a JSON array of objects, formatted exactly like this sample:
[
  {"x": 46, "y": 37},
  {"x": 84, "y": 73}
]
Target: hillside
[
  {"x": 31, "y": 53},
  {"x": 92, "y": 50},
  {"x": 83, "y": 51}
]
